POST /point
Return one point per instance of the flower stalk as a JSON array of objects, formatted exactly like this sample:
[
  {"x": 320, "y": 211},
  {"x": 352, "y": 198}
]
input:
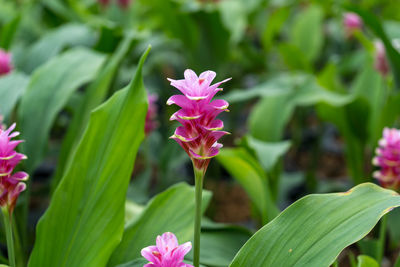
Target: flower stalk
[
  {"x": 199, "y": 177},
  {"x": 9, "y": 236}
]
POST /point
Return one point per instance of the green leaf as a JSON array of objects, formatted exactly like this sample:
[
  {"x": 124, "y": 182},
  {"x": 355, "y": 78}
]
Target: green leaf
[
  {"x": 12, "y": 86},
  {"x": 48, "y": 91},
  {"x": 247, "y": 171},
  {"x": 170, "y": 211},
  {"x": 94, "y": 95},
  {"x": 366, "y": 261},
  {"x": 85, "y": 220},
  {"x": 54, "y": 42},
  {"x": 268, "y": 153},
  {"x": 315, "y": 229},
  {"x": 8, "y": 32},
  {"x": 307, "y": 32}
]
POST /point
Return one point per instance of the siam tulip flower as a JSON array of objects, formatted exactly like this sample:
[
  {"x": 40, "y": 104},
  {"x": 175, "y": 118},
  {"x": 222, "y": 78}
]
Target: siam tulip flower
[
  {"x": 200, "y": 131},
  {"x": 352, "y": 22},
  {"x": 381, "y": 63},
  {"x": 167, "y": 252},
  {"x": 151, "y": 115},
  {"x": 11, "y": 185},
  {"x": 388, "y": 159},
  {"x": 5, "y": 62}
]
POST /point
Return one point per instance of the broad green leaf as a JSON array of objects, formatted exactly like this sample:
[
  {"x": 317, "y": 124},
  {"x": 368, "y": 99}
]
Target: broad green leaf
[
  {"x": 94, "y": 95},
  {"x": 315, "y": 229},
  {"x": 307, "y": 32},
  {"x": 375, "y": 25},
  {"x": 49, "y": 89},
  {"x": 234, "y": 17},
  {"x": 294, "y": 57},
  {"x": 247, "y": 171},
  {"x": 366, "y": 261},
  {"x": 268, "y": 153},
  {"x": 12, "y": 86},
  {"x": 85, "y": 220},
  {"x": 54, "y": 42},
  {"x": 170, "y": 211}
]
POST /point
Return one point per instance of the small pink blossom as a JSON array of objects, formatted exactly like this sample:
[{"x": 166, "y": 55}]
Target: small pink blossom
[
  {"x": 124, "y": 3},
  {"x": 352, "y": 22},
  {"x": 381, "y": 63},
  {"x": 167, "y": 252},
  {"x": 388, "y": 159},
  {"x": 5, "y": 62},
  {"x": 11, "y": 184},
  {"x": 151, "y": 123},
  {"x": 200, "y": 131}
]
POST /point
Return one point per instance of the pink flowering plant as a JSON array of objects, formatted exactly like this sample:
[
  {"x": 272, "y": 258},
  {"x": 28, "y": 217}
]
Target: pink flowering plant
[{"x": 200, "y": 130}]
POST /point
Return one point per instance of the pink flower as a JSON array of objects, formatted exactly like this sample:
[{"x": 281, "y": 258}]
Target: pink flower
[
  {"x": 11, "y": 185},
  {"x": 167, "y": 252},
  {"x": 5, "y": 62},
  {"x": 104, "y": 3},
  {"x": 151, "y": 124},
  {"x": 124, "y": 3},
  {"x": 388, "y": 159},
  {"x": 200, "y": 131},
  {"x": 351, "y": 23},
  {"x": 381, "y": 63}
]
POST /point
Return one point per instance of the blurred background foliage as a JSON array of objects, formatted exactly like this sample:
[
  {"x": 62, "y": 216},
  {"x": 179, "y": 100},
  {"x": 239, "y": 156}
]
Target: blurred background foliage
[{"x": 307, "y": 105}]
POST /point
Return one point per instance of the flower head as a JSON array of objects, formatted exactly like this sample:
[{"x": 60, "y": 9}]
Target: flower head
[
  {"x": 351, "y": 23},
  {"x": 381, "y": 63},
  {"x": 388, "y": 159},
  {"x": 151, "y": 115},
  {"x": 11, "y": 184},
  {"x": 167, "y": 252},
  {"x": 200, "y": 131},
  {"x": 5, "y": 62}
]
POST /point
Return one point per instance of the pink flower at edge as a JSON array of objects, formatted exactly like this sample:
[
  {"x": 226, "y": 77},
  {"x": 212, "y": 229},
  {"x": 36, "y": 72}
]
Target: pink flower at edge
[
  {"x": 388, "y": 159},
  {"x": 11, "y": 184},
  {"x": 167, "y": 252},
  {"x": 200, "y": 131},
  {"x": 124, "y": 4},
  {"x": 352, "y": 22},
  {"x": 5, "y": 62},
  {"x": 151, "y": 123},
  {"x": 381, "y": 63}
]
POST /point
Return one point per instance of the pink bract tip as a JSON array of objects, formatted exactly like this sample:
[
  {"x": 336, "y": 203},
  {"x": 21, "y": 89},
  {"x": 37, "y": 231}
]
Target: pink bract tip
[{"x": 5, "y": 62}]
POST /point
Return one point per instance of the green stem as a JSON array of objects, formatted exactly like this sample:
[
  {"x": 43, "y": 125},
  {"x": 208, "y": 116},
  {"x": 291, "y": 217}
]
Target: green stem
[
  {"x": 198, "y": 176},
  {"x": 382, "y": 239},
  {"x": 10, "y": 242}
]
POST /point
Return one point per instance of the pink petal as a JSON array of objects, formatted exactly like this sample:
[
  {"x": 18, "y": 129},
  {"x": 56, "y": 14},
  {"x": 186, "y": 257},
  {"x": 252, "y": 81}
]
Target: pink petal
[
  {"x": 181, "y": 101},
  {"x": 182, "y": 134},
  {"x": 148, "y": 254},
  {"x": 190, "y": 76},
  {"x": 166, "y": 242}
]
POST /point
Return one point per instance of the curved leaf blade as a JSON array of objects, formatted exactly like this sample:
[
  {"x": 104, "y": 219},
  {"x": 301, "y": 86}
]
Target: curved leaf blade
[
  {"x": 12, "y": 87},
  {"x": 94, "y": 95},
  {"x": 315, "y": 229},
  {"x": 48, "y": 91},
  {"x": 85, "y": 219}
]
